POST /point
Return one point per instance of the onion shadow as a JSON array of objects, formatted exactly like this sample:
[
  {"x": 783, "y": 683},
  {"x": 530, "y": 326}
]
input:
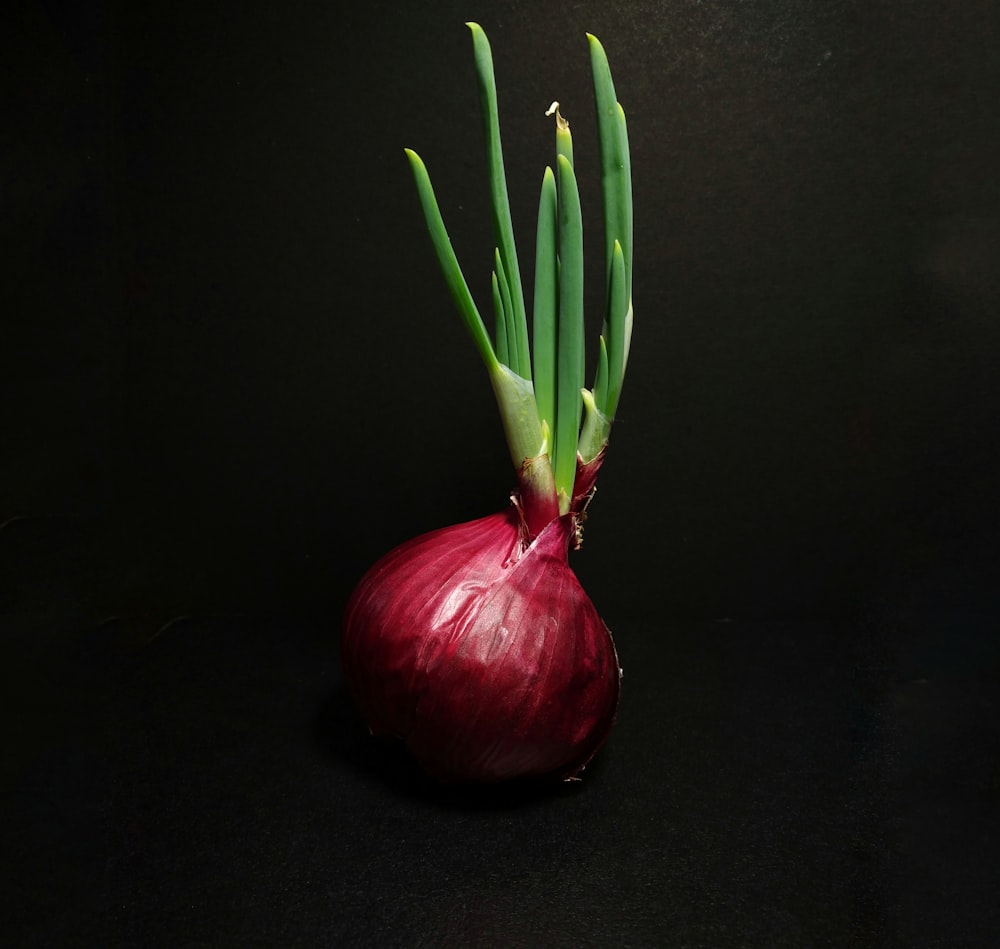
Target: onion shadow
[{"x": 343, "y": 735}]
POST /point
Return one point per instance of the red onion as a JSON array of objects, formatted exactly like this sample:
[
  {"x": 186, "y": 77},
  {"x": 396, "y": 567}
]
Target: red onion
[
  {"x": 476, "y": 645},
  {"x": 485, "y": 656}
]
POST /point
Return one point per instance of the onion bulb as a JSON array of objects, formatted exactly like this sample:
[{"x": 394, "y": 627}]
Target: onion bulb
[{"x": 488, "y": 659}]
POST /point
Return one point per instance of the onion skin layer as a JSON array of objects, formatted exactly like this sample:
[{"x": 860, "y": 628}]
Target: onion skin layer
[{"x": 483, "y": 652}]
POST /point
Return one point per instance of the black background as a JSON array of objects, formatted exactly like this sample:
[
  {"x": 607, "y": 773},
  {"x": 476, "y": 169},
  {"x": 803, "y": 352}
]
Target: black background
[{"x": 233, "y": 378}]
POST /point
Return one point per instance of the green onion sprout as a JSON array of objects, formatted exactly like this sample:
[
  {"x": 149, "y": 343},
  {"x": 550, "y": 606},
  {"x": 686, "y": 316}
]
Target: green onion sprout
[{"x": 548, "y": 411}]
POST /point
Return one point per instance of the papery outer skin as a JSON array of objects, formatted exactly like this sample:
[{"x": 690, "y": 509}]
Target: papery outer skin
[
  {"x": 490, "y": 662},
  {"x": 586, "y": 478}
]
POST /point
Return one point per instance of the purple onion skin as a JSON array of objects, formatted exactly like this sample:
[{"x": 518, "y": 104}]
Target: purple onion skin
[{"x": 485, "y": 656}]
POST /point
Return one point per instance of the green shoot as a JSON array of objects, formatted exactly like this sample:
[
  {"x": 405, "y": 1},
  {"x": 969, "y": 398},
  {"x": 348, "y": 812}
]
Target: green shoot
[
  {"x": 501, "y": 323},
  {"x": 549, "y": 418},
  {"x": 545, "y": 303},
  {"x": 502, "y": 224},
  {"x": 616, "y": 186},
  {"x": 570, "y": 361},
  {"x": 449, "y": 262}
]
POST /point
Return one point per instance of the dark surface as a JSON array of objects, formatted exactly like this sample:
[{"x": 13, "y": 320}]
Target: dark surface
[
  {"x": 767, "y": 784},
  {"x": 232, "y": 379}
]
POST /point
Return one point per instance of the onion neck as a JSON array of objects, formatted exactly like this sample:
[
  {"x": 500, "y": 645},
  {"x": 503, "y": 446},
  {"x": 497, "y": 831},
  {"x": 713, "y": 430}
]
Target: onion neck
[
  {"x": 536, "y": 498},
  {"x": 539, "y": 503}
]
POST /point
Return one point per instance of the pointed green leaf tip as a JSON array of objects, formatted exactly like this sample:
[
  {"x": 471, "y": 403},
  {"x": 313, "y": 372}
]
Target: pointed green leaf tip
[{"x": 477, "y": 30}]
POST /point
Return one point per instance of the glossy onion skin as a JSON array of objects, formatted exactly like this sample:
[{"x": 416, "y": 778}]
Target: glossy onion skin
[{"x": 490, "y": 662}]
